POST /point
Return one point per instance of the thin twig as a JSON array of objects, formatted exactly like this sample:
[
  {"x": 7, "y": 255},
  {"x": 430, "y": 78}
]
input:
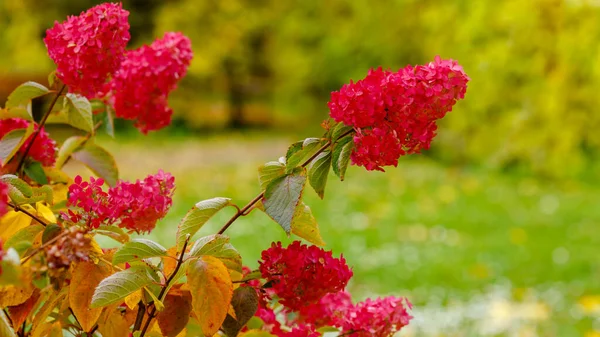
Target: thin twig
[
  {"x": 164, "y": 288},
  {"x": 140, "y": 316},
  {"x": 38, "y": 249},
  {"x": 245, "y": 210},
  {"x": 39, "y": 129},
  {"x": 21, "y": 209}
]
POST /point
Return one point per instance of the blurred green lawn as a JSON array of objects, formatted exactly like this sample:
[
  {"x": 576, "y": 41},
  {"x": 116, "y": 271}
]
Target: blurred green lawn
[{"x": 479, "y": 253}]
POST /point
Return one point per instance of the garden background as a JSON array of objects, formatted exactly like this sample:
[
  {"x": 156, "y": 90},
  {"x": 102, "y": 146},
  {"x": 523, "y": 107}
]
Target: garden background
[{"x": 493, "y": 232}]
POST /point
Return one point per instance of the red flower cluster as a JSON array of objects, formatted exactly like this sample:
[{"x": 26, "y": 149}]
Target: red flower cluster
[
  {"x": 395, "y": 113},
  {"x": 135, "y": 206},
  {"x": 140, "y": 88},
  {"x": 329, "y": 311},
  {"x": 89, "y": 47},
  {"x": 300, "y": 330},
  {"x": 43, "y": 149},
  {"x": 376, "y": 318},
  {"x": 3, "y": 198},
  {"x": 301, "y": 274}
]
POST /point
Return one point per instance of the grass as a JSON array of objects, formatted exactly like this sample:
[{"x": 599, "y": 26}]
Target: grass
[{"x": 477, "y": 252}]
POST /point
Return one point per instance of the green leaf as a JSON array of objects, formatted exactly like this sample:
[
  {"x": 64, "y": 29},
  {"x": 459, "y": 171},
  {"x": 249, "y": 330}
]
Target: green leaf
[
  {"x": 138, "y": 249},
  {"x": 23, "y": 239},
  {"x": 245, "y": 305},
  {"x": 113, "y": 232},
  {"x": 269, "y": 172},
  {"x": 339, "y": 130},
  {"x": 35, "y": 171},
  {"x": 53, "y": 81},
  {"x": 12, "y": 142},
  {"x": 50, "y": 232},
  {"x": 341, "y": 156},
  {"x": 109, "y": 122},
  {"x": 99, "y": 161},
  {"x": 198, "y": 216},
  {"x": 21, "y": 97},
  {"x": 218, "y": 245},
  {"x": 318, "y": 172},
  {"x": 120, "y": 284},
  {"x": 79, "y": 112},
  {"x": 212, "y": 290},
  {"x": 309, "y": 146},
  {"x": 69, "y": 146},
  {"x": 305, "y": 226},
  {"x": 283, "y": 196}
]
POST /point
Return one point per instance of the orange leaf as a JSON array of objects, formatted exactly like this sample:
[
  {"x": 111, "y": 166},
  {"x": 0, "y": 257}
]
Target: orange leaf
[
  {"x": 212, "y": 290},
  {"x": 12, "y": 295},
  {"x": 116, "y": 326},
  {"x": 178, "y": 305},
  {"x": 86, "y": 277},
  {"x": 18, "y": 313}
]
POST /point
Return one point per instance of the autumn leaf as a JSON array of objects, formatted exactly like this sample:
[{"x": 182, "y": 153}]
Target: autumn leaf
[
  {"x": 18, "y": 313},
  {"x": 86, "y": 277},
  {"x": 115, "y": 326},
  {"x": 13, "y": 222},
  {"x": 212, "y": 290},
  {"x": 12, "y": 295},
  {"x": 178, "y": 305}
]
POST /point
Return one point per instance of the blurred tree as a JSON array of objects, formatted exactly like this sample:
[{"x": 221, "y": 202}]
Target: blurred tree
[{"x": 535, "y": 65}]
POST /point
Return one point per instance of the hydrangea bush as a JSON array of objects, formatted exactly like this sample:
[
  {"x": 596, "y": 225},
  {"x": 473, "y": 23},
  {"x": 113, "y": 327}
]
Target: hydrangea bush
[{"x": 55, "y": 278}]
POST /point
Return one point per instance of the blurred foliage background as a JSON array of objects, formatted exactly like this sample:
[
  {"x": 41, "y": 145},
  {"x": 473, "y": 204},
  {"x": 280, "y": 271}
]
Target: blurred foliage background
[{"x": 499, "y": 215}]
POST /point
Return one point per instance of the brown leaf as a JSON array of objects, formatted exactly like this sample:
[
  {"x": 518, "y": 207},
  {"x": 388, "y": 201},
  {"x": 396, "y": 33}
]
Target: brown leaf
[
  {"x": 18, "y": 313},
  {"x": 86, "y": 277},
  {"x": 178, "y": 305},
  {"x": 211, "y": 289},
  {"x": 245, "y": 304}
]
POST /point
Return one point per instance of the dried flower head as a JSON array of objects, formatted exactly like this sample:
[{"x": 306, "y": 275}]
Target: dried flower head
[
  {"x": 88, "y": 48},
  {"x": 301, "y": 274},
  {"x": 73, "y": 246}
]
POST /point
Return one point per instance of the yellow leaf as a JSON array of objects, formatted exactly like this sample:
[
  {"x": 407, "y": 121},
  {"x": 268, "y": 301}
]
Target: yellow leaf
[
  {"x": 13, "y": 222},
  {"x": 19, "y": 313},
  {"x": 86, "y": 277},
  {"x": 115, "y": 326},
  {"x": 42, "y": 331},
  {"x": 45, "y": 310},
  {"x": 305, "y": 226},
  {"x": 212, "y": 290},
  {"x": 45, "y": 213},
  {"x": 56, "y": 330},
  {"x": 133, "y": 299},
  {"x": 95, "y": 251},
  {"x": 12, "y": 295}
]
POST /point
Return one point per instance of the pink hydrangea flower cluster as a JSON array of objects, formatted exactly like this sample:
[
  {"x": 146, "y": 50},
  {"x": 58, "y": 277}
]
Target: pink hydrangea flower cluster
[
  {"x": 301, "y": 275},
  {"x": 381, "y": 317},
  {"x": 395, "y": 113},
  {"x": 44, "y": 147},
  {"x": 140, "y": 88},
  {"x": 134, "y": 206},
  {"x": 3, "y": 198},
  {"x": 90, "y": 47},
  {"x": 329, "y": 311}
]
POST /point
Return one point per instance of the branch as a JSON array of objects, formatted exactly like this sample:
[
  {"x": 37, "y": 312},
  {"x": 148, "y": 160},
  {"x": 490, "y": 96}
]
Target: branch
[
  {"x": 164, "y": 288},
  {"x": 39, "y": 129},
  {"x": 245, "y": 209},
  {"x": 21, "y": 209},
  {"x": 38, "y": 249}
]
